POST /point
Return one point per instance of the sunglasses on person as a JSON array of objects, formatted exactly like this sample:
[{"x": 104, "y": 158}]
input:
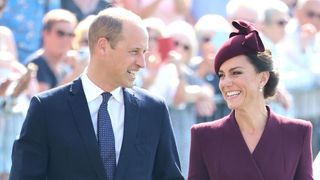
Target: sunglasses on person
[
  {"x": 62, "y": 33},
  {"x": 84, "y": 42},
  {"x": 206, "y": 39},
  {"x": 184, "y": 46},
  {"x": 281, "y": 23},
  {"x": 312, "y": 14}
]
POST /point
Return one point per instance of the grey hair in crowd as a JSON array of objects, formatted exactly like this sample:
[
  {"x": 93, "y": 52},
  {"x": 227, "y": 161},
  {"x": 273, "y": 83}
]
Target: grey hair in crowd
[
  {"x": 182, "y": 27},
  {"x": 270, "y": 7}
]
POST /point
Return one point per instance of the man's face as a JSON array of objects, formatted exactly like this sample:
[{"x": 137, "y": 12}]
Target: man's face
[
  {"x": 310, "y": 13},
  {"x": 275, "y": 29},
  {"x": 58, "y": 39},
  {"x": 127, "y": 57}
]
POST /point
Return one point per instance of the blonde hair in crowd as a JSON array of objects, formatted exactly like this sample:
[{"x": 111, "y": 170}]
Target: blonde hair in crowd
[{"x": 58, "y": 15}]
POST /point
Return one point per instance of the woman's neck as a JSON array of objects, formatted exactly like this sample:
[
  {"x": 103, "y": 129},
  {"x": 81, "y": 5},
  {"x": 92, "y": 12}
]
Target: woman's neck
[{"x": 252, "y": 119}]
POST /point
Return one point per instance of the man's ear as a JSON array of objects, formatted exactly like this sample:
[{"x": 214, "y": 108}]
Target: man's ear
[{"x": 102, "y": 45}]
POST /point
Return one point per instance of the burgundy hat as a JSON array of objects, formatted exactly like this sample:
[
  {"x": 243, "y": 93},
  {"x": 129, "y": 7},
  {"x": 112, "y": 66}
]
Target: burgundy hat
[{"x": 246, "y": 40}]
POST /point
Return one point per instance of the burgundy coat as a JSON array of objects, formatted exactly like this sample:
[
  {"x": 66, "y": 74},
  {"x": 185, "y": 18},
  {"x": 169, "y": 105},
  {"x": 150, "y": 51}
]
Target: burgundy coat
[{"x": 219, "y": 152}]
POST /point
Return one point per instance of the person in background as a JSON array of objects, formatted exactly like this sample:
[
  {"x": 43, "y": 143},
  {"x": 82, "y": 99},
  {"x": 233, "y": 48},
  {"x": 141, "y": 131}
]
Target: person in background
[
  {"x": 154, "y": 58},
  {"x": 24, "y": 18},
  {"x": 84, "y": 8},
  {"x": 7, "y": 41},
  {"x": 186, "y": 94},
  {"x": 274, "y": 18},
  {"x": 15, "y": 87},
  {"x": 206, "y": 7},
  {"x": 291, "y": 5},
  {"x": 242, "y": 9},
  {"x": 15, "y": 81},
  {"x": 52, "y": 59},
  {"x": 167, "y": 10},
  {"x": 302, "y": 71},
  {"x": 80, "y": 43},
  {"x": 100, "y": 126},
  {"x": 252, "y": 142},
  {"x": 210, "y": 37},
  {"x": 81, "y": 31}
]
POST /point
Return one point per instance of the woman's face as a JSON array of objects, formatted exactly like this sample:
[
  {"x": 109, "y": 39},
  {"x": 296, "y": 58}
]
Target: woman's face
[
  {"x": 182, "y": 46},
  {"x": 240, "y": 83}
]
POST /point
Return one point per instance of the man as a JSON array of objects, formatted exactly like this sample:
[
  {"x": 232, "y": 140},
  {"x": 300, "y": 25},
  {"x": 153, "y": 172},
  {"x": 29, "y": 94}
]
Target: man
[
  {"x": 307, "y": 12},
  {"x": 62, "y": 137}
]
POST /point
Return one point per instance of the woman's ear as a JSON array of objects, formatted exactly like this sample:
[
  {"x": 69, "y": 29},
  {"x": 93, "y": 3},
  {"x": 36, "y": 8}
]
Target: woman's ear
[{"x": 264, "y": 77}]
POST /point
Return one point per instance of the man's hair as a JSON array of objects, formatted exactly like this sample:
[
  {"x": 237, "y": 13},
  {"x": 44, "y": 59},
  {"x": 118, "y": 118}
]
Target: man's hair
[
  {"x": 58, "y": 15},
  {"x": 109, "y": 24}
]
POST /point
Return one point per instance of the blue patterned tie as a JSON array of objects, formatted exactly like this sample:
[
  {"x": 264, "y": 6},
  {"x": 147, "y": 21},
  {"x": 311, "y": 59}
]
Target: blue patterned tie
[{"x": 106, "y": 138}]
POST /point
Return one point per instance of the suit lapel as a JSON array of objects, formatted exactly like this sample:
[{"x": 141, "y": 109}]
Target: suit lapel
[
  {"x": 131, "y": 118},
  {"x": 83, "y": 121}
]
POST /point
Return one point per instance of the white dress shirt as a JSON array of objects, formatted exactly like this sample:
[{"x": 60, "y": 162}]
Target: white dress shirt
[{"x": 115, "y": 109}]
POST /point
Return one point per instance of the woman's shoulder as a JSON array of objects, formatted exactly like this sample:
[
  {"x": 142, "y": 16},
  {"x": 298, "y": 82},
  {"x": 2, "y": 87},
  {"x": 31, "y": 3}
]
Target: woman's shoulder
[
  {"x": 294, "y": 123},
  {"x": 212, "y": 125},
  {"x": 293, "y": 127},
  {"x": 212, "y": 132}
]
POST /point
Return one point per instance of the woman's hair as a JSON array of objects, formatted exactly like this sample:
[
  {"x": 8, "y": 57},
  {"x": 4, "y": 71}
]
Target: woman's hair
[
  {"x": 262, "y": 62},
  {"x": 58, "y": 15},
  {"x": 81, "y": 32}
]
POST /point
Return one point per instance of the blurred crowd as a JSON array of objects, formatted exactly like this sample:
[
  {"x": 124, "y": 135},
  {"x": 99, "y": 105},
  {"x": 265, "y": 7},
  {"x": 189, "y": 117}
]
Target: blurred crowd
[{"x": 44, "y": 44}]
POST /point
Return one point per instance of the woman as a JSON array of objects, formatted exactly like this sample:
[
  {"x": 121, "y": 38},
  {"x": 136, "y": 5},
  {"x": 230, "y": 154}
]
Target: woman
[{"x": 252, "y": 143}]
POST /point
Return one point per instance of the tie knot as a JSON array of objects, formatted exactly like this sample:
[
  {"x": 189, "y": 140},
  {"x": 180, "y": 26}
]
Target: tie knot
[{"x": 106, "y": 96}]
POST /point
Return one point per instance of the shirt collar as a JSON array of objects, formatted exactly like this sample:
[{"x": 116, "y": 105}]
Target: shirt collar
[{"x": 92, "y": 91}]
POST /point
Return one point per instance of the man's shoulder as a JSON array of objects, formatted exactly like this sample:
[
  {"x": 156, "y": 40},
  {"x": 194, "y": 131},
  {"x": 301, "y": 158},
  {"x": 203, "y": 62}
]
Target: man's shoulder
[
  {"x": 145, "y": 95},
  {"x": 54, "y": 92}
]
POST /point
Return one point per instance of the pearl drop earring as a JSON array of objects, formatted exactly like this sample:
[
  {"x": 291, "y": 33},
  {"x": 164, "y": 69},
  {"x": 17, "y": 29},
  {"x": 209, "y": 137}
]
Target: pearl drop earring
[{"x": 261, "y": 89}]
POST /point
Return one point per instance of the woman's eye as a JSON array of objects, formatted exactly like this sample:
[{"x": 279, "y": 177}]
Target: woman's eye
[{"x": 236, "y": 73}]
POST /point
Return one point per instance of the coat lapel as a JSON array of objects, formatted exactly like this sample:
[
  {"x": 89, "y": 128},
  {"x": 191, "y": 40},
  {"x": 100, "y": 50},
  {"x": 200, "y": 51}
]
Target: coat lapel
[
  {"x": 270, "y": 148},
  {"x": 131, "y": 118},
  {"x": 247, "y": 157},
  {"x": 80, "y": 110}
]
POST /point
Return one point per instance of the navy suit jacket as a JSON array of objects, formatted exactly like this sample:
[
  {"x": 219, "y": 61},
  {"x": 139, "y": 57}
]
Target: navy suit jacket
[
  {"x": 219, "y": 151},
  {"x": 58, "y": 142}
]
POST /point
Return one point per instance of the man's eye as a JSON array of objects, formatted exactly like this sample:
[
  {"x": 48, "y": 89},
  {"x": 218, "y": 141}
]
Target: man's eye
[{"x": 134, "y": 52}]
